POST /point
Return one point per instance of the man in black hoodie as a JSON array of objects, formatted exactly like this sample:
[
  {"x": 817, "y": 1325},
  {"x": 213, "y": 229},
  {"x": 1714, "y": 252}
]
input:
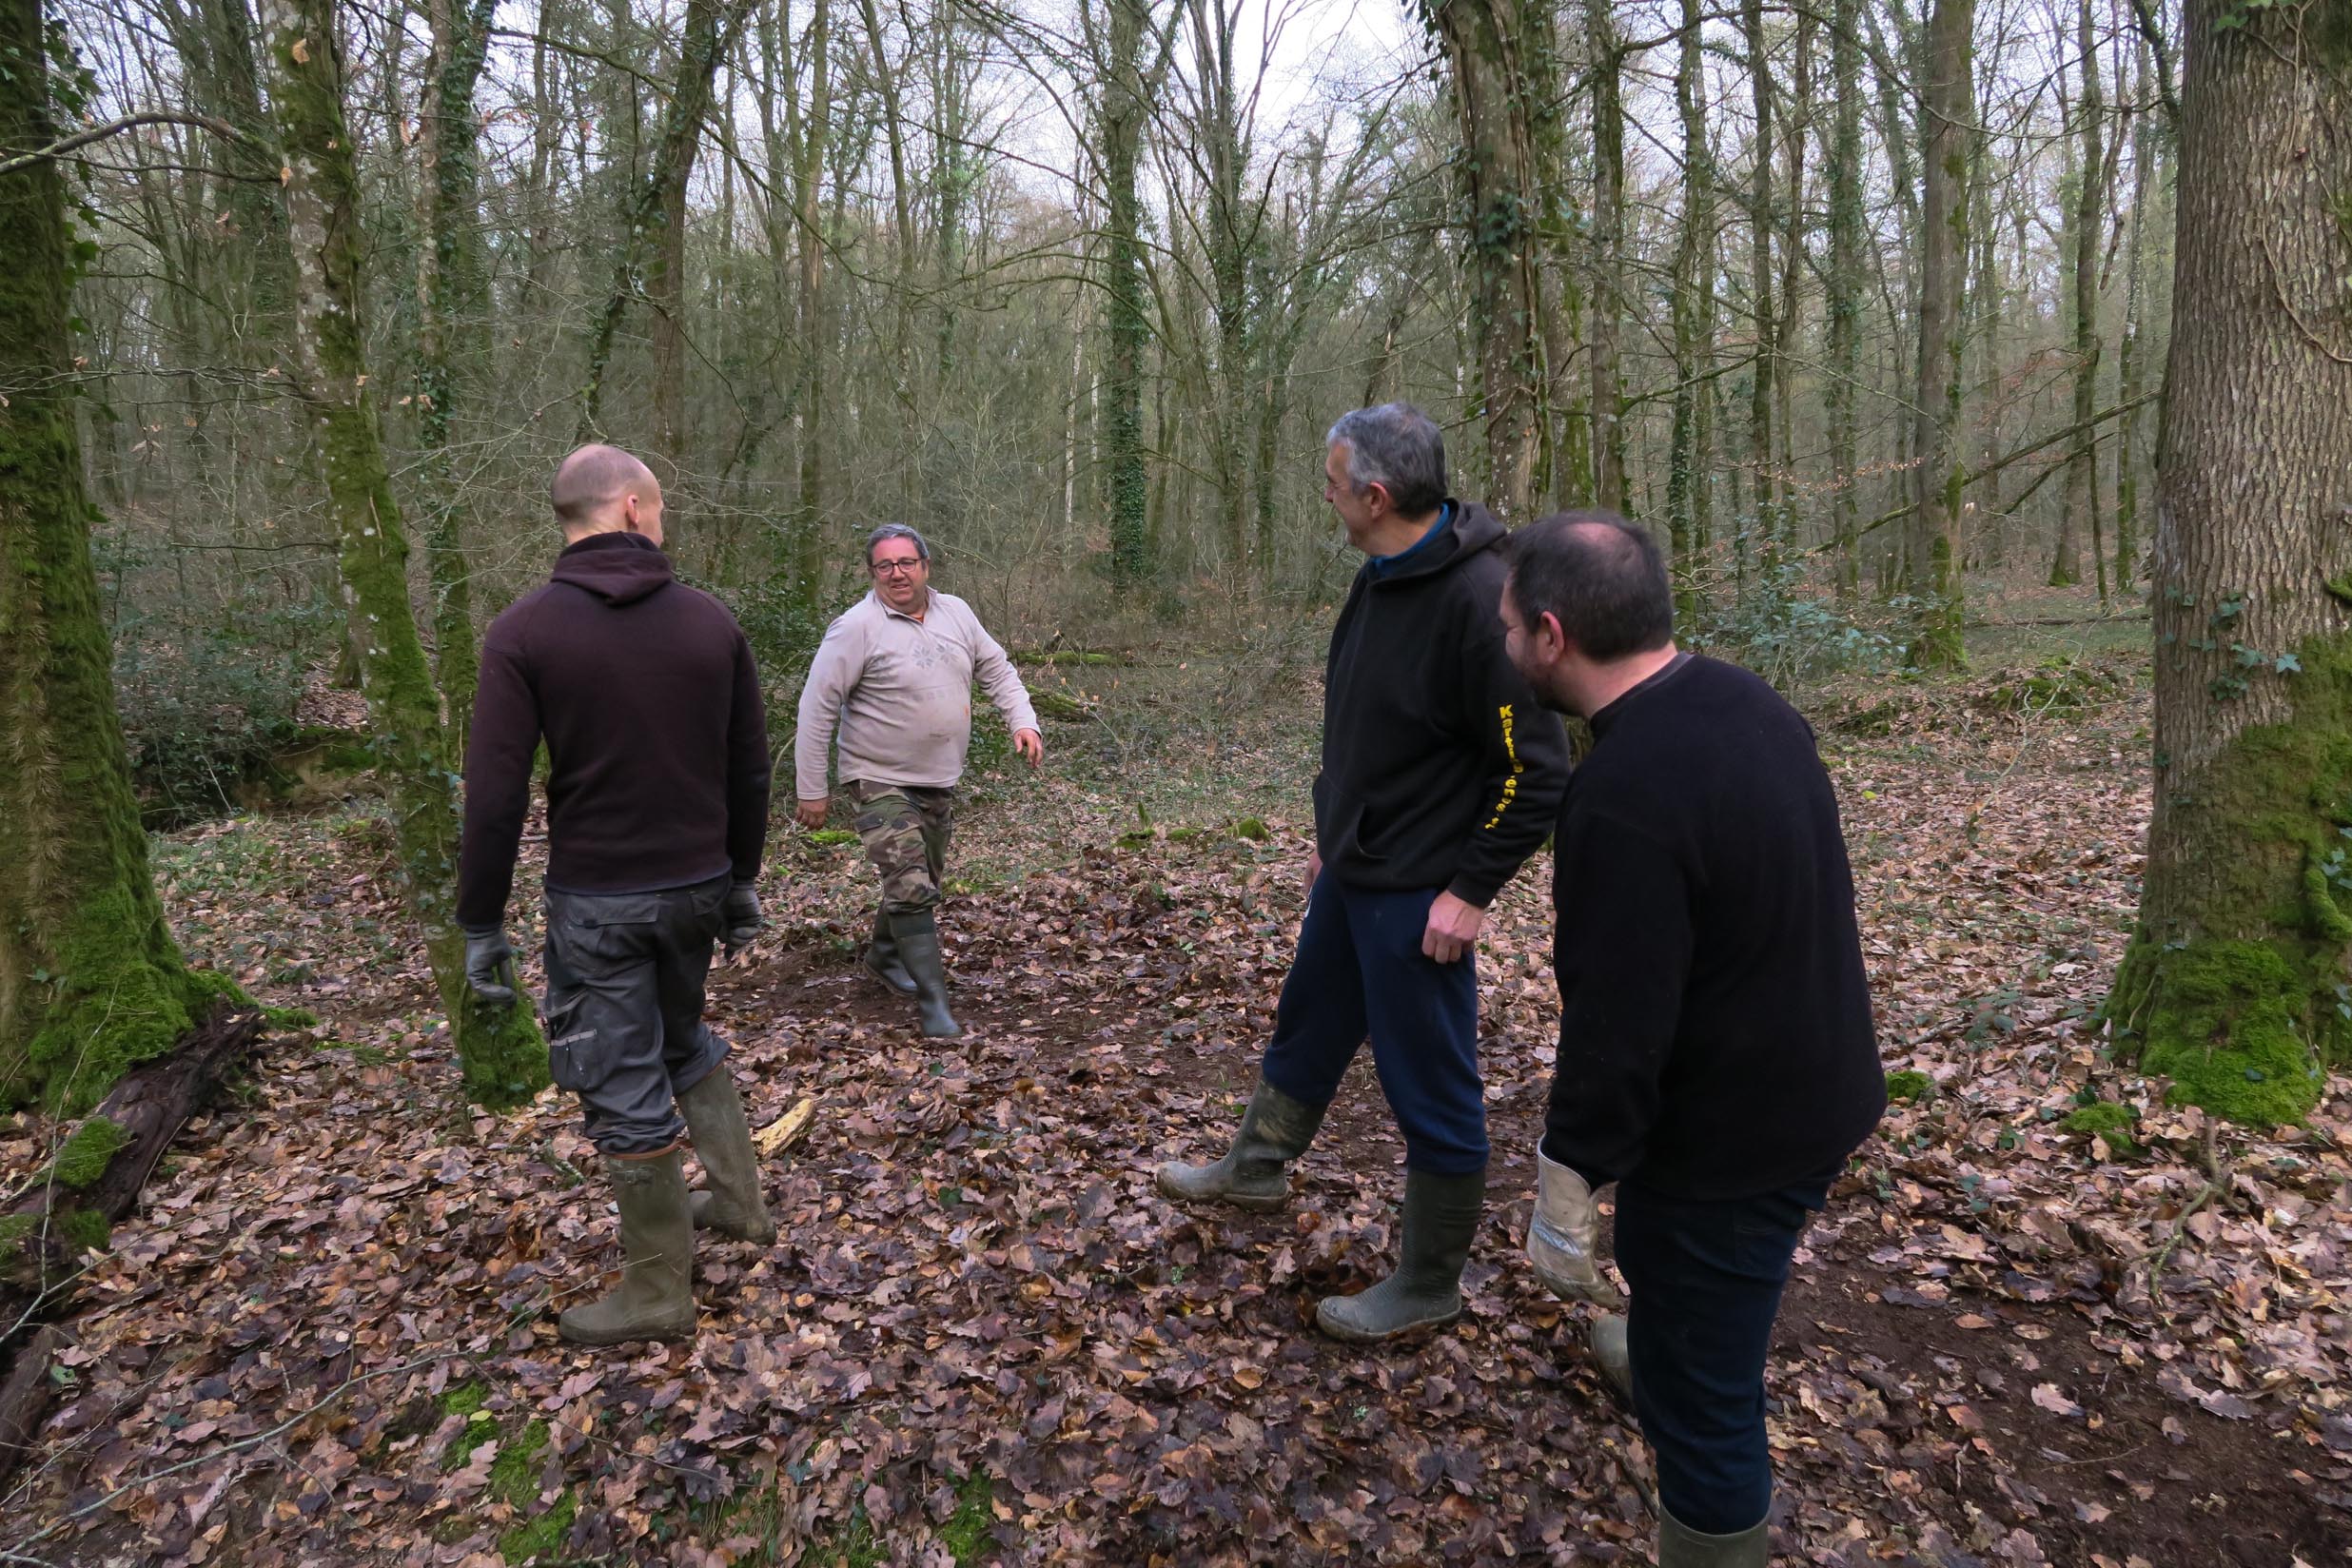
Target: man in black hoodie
[
  {"x": 1715, "y": 1058},
  {"x": 656, "y": 816},
  {"x": 1439, "y": 775}
]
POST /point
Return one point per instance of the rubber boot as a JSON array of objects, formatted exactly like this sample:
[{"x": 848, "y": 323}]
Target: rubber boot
[
  {"x": 1441, "y": 1217},
  {"x": 655, "y": 1299},
  {"x": 918, "y": 937},
  {"x": 1680, "y": 1546},
  {"x": 1607, "y": 1340},
  {"x": 1254, "y": 1173},
  {"x": 733, "y": 1206},
  {"x": 882, "y": 960}
]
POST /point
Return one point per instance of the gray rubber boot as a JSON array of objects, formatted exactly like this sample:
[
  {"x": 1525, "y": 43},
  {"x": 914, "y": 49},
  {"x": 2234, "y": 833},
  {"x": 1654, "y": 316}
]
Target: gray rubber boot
[
  {"x": 655, "y": 1299},
  {"x": 1607, "y": 1340},
  {"x": 1441, "y": 1217},
  {"x": 733, "y": 1206},
  {"x": 882, "y": 960},
  {"x": 918, "y": 937},
  {"x": 1254, "y": 1173},
  {"x": 1680, "y": 1546}
]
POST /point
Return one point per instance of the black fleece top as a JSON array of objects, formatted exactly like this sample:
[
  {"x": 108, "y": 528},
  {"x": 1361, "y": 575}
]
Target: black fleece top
[
  {"x": 1439, "y": 767},
  {"x": 1715, "y": 1036},
  {"x": 657, "y": 741}
]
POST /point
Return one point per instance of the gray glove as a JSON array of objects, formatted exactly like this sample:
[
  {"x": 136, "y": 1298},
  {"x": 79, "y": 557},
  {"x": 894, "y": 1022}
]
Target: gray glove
[
  {"x": 741, "y": 914},
  {"x": 490, "y": 967},
  {"x": 1565, "y": 1235}
]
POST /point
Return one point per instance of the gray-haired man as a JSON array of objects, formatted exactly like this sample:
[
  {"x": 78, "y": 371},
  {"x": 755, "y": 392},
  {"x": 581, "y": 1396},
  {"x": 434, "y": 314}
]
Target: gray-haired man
[
  {"x": 894, "y": 675},
  {"x": 1440, "y": 776}
]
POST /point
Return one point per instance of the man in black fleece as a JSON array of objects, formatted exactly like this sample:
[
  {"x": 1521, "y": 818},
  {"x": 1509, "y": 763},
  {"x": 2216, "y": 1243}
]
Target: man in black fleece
[
  {"x": 1440, "y": 774},
  {"x": 1716, "y": 1055},
  {"x": 656, "y": 815}
]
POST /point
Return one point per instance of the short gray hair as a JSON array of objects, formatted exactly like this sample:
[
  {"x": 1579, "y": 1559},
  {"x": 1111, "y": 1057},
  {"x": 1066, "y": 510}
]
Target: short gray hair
[
  {"x": 1398, "y": 448},
  {"x": 891, "y": 531}
]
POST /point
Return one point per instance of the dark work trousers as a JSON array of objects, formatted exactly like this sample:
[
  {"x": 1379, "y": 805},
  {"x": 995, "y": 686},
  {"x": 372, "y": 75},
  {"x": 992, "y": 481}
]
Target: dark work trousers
[
  {"x": 1706, "y": 1279},
  {"x": 1360, "y": 972},
  {"x": 624, "y": 1008}
]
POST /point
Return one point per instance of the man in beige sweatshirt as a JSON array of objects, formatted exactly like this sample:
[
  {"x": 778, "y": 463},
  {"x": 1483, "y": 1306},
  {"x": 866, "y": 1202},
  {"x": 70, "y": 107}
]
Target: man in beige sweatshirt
[{"x": 893, "y": 676}]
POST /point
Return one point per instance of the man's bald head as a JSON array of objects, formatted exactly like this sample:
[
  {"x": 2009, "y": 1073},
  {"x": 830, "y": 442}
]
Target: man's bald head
[{"x": 603, "y": 490}]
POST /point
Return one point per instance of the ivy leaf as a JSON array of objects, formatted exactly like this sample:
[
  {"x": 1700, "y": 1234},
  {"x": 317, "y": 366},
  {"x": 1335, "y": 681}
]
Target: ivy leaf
[{"x": 2287, "y": 664}]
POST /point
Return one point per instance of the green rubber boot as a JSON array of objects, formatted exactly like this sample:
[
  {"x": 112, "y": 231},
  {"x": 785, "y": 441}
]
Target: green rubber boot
[
  {"x": 1680, "y": 1546},
  {"x": 917, "y": 935},
  {"x": 733, "y": 1206},
  {"x": 655, "y": 1299},
  {"x": 1607, "y": 1340},
  {"x": 1441, "y": 1217},
  {"x": 882, "y": 960},
  {"x": 1254, "y": 1173}
]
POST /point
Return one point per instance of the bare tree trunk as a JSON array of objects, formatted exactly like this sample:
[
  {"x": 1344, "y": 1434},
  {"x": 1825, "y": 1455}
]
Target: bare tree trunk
[
  {"x": 2129, "y": 355},
  {"x": 2235, "y": 980},
  {"x": 1483, "y": 47},
  {"x": 1686, "y": 479},
  {"x": 1608, "y": 251},
  {"x": 1765, "y": 524},
  {"x": 814, "y": 133},
  {"x": 1845, "y": 291},
  {"x": 1946, "y": 124}
]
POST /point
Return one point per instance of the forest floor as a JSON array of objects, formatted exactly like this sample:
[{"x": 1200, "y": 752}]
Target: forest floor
[{"x": 330, "y": 1336}]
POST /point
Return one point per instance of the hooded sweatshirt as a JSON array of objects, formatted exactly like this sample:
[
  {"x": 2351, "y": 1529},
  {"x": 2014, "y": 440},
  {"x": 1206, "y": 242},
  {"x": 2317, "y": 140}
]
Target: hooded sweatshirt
[
  {"x": 1439, "y": 767},
  {"x": 657, "y": 741}
]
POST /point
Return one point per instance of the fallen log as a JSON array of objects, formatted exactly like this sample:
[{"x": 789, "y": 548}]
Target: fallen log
[{"x": 93, "y": 1182}]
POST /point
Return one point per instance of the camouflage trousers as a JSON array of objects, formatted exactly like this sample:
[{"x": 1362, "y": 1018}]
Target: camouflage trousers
[{"x": 903, "y": 828}]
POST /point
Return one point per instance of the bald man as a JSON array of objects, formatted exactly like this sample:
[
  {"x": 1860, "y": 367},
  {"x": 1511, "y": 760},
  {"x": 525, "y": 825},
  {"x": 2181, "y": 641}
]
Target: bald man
[{"x": 657, "y": 813}]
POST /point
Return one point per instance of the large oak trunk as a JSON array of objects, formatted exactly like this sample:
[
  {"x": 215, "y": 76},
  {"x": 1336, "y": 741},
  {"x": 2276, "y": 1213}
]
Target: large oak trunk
[{"x": 2235, "y": 983}]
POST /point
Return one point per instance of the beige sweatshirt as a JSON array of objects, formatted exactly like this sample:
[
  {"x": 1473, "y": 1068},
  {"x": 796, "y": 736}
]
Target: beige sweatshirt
[{"x": 901, "y": 692}]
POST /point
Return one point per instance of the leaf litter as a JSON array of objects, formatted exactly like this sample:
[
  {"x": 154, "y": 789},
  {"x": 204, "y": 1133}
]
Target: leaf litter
[{"x": 329, "y": 1335}]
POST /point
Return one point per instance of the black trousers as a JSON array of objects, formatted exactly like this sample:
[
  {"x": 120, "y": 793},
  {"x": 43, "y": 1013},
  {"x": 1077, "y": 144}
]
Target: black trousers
[
  {"x": 1707, "y": 1277},
  {"x": 624, "y": 1008}
]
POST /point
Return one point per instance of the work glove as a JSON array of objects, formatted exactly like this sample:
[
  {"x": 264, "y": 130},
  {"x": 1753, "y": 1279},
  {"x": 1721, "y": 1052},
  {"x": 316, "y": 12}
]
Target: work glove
[
  {"x": 490, "y": 967},
  {"x": 1565, "y": 1235},
  {"x": 740, "y": 913}
]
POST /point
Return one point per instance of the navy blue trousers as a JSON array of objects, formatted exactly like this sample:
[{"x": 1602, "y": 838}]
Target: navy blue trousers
[
  {"x": 1707, "y": 1277},
  {"x": 1360, "y": 973}
]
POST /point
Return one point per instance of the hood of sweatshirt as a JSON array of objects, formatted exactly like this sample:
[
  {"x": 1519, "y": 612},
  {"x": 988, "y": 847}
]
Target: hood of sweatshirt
[
  {"x": 617, "y": 568},
  {"x": 1471, "y": 529}
]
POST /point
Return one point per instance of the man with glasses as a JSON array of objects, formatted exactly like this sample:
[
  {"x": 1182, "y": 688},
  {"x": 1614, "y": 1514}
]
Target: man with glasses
[{"x": 893, "y": 676}]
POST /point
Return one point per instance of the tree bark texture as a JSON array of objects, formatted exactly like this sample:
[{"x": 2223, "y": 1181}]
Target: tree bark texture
[
  {"x": 1483, "y": 47},
  {"x": 503, "y": 1059},
  {"x": 2236, "y": 983},
  {"x": 1946, "y": 125},
  {"x": 91, "y": 980}
]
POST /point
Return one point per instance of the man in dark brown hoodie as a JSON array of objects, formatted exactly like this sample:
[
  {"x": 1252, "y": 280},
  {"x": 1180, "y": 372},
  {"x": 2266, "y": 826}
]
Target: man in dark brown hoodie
[{"x": 646, "y": 693}]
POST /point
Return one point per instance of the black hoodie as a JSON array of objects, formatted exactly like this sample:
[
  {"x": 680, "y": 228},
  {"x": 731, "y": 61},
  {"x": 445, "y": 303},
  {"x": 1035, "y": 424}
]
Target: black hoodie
[
  {"x": 657, "y": 743},
  {"x": 1439, "y": 767}
]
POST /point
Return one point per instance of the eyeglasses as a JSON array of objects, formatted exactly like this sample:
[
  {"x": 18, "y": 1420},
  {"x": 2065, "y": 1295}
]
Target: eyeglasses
[{"x": 902, "y": 564}]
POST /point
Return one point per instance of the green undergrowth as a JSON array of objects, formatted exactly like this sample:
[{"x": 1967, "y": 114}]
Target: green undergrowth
[
  {"x": 2109, "y": 1122},
  {"x": 514, "y": 1475}
]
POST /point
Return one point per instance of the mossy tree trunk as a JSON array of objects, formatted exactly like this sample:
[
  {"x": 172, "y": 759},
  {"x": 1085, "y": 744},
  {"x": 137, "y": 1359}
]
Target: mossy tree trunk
[
  {"x": 1610, "y": 293},
  {"x": 90, "y": 981},
  {"x": 1126, "y": 108},
  {"x": 1686, "y": 479},
  {"x": 2236, "y": 984},
  {"x": 1946, "y": 121},
  {"x": 449, "y": 293},
  {"x": 1843, "y": 307},
  {"x": 505, "y": 1062}
]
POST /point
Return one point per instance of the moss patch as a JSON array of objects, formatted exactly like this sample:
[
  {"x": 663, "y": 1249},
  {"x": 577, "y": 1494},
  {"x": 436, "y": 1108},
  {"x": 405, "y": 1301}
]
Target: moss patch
[
  {"x": 2222, "y": 1022},
  {"x": 85, "y": 1155},
  {"x": 544, "y": 1536},
  {"x": 966, "y": 1534},
  {"x": 84, "y": 1228},
  {"x": 2109, "y": 1123},
  {"x": 1909, "y": 1088},
  {"x": 2235, "y": 983},
  {"x": 832, "y": 837},
  {"x": 852, "y": 1545}
]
